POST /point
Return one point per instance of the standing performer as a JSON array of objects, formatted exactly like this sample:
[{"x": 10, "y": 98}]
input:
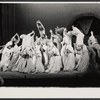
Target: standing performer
[
  {"x": 92, "y": 61},
  {"x": 67, "y": 52},
  {"x": 6, "y": 56},
  {"x": 82, "y": 58},
  {"x": 57, "y": 37},
  {"x": 67, "y": 39},
  {"x": 42, "y": 40},
  {"x": 16, "y": 51},
  {"x": 55, "y": 63},
  {"x": 81, "y": 52},
  {"x": 25, "y": 63},
  {"x": 93, "y": 43},
  {"x": 38, "y": 64}
]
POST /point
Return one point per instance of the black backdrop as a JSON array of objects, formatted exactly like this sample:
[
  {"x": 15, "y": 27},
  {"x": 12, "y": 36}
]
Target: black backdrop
[{"x": 21, "y": 18}]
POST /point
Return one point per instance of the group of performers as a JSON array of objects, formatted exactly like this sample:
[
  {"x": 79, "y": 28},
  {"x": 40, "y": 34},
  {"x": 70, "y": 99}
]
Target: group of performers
[{"x": 50, "y": 55}]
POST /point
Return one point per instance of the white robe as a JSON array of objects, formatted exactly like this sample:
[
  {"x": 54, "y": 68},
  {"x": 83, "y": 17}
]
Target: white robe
[
  {"x": 79, "y": 36},
  {"x": 27, "y": 41},
  {"x": 55, "y": 63},
  {"x": 67, "y": 40},
  {"x": 6, "y": 55}
]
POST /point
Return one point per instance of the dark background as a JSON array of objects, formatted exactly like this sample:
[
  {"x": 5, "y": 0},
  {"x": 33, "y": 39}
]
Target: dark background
[{"x": 21, "y": 17}]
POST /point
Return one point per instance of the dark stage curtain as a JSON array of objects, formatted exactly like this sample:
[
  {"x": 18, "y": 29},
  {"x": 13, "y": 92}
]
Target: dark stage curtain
[
  {"x": 7, "y": 28},
  {"x": 21, "y": 19}
]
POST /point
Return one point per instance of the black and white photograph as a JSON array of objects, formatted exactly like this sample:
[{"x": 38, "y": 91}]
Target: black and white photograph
[{"x": 50, "y": 44}]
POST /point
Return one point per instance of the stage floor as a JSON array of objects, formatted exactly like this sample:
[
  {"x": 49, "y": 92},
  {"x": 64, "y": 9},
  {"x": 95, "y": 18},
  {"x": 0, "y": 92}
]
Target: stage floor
[
  {"x": 61, "y": 79},
  {"x": 18, "y": 75}
]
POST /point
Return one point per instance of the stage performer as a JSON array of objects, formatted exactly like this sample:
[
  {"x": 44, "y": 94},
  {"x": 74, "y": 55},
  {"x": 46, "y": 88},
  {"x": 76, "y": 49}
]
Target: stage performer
[
  {"x": 55, "y": 63},
  {"x": 25, "y": 63},
  {"x": 81, "y": 52},
  {"x": 93, "y": 43},
  {"x": 67, "y": 52},
  {"x": 6, "y": 56},
  {"x": 16, "y": 51}
]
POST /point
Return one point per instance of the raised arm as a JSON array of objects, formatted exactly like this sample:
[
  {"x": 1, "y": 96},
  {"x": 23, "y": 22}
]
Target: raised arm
[
  {"x": 40, "y": 26},
  {"x": 32, "y": 33},
  {"x": 14, "y": 37},
  {"x": 52, "y": 34},
  {"x": 18, "y": 38}
]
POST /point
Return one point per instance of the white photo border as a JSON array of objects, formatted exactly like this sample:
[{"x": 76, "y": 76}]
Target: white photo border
[{"x": 52, "y": 92}]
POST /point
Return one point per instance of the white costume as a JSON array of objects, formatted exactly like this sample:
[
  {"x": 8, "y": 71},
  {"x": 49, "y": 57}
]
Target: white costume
[
  {"x": 84, "y": 60},
  {"x": 67, "y": 52},
  {"x": 38, "y": 64},
  {"x": 27, "y": 41},
  {"x": 67, "y": 40},
  {"x": 6, "y": 55},
  {"x": 55, "y": 63},
  {"x": 15, "y": 57},
  {"x": 25, "y": 63},
  {"x": 93, "y": 43},
  {"x": 79, "y": 36}
]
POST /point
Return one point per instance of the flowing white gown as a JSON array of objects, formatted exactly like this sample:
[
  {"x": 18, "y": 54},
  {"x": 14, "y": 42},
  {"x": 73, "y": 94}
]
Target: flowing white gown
[
  {"x": 38, "y": 64},
  {"x": 6, "y": 55},
  {"x": 67, "y": 53},
  {"x": 84, "y": 64},
  {"x": 68, "y": 58},
  {"x": 25, "y": 63},
  {"x": 15, "y": 57},
  {"x": 55, "y": 63}
]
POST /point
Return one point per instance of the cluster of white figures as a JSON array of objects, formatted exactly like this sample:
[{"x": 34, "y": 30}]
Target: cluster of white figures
[{"x": 50, "y": 55}]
